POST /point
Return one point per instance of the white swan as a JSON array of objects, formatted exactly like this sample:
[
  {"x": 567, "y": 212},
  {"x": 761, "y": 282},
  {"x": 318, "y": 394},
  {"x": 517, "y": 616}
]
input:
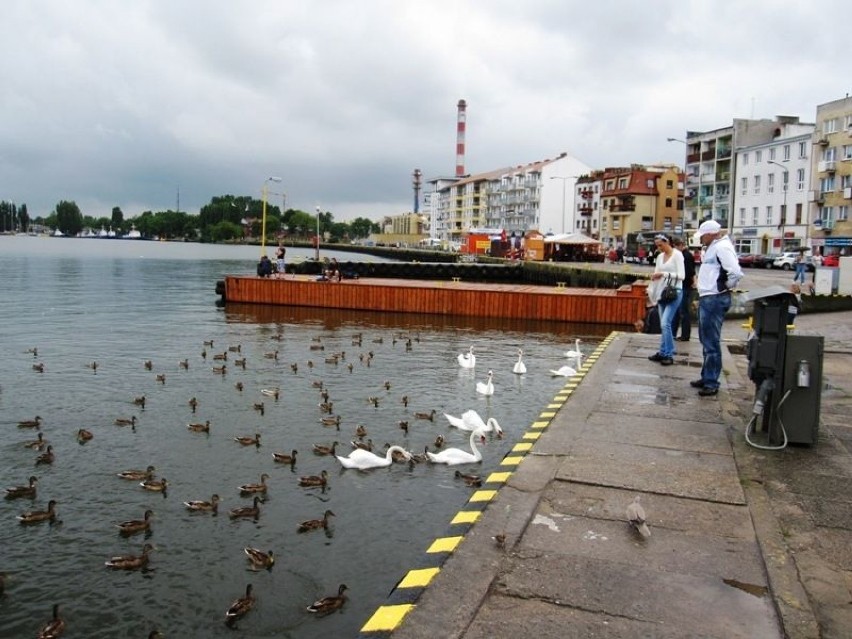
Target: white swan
[
  {"x": 467, "y": 360},
  {"x": 455, "y": 456},
  {"x": 361, "y": 459},
  {"x": 486, "y": 387},
  {"x": 470, "y": 420},
  {"x": 520, "y": 368},
  {"x": 564, "y": 371},
  {"x": 576, "y": 353}
]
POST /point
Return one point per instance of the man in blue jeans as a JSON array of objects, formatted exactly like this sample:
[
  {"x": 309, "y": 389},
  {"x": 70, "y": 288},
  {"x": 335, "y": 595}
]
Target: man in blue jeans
[{"x": 719, "y": 273}]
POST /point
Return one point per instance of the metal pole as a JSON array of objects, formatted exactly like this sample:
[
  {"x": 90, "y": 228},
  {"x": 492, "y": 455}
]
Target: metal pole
[
  {"x": 263, "y": 219},
  {"x": 318, "y": 233}
]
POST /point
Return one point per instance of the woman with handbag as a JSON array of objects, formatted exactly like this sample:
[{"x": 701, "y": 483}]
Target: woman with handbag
[{"x": 669, "y": 274}]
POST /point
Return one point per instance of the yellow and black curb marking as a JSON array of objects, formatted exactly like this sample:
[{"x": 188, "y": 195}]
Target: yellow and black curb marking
[{"x": 407, "y": 591}]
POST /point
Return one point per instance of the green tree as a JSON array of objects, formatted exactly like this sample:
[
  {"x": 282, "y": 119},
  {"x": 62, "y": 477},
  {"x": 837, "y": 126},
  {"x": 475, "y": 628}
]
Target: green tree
[
  {"x": 117, "y": 218},
  {"x": 361, "y": 227},
  {"x": 23, "y": 218},
  {"x": 69, "y": 220}
]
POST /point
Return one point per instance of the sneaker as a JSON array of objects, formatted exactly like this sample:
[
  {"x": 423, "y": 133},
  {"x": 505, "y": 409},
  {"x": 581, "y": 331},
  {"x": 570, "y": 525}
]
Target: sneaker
[
  {"x": 708, "y": 392},
  {"x": 697, "y": 383},
  {"x": 667, "y": 361},
  {"x": 682, "y": 339},
  {"x": 656, "y": 357}
]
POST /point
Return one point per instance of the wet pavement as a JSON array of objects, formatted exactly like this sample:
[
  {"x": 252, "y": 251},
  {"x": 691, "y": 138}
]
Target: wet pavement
[{"x": 744, "y": 542}]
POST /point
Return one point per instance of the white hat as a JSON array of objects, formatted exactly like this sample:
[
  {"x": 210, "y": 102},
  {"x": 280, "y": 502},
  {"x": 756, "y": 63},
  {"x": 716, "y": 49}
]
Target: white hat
[{"x": 709, "y": 227}]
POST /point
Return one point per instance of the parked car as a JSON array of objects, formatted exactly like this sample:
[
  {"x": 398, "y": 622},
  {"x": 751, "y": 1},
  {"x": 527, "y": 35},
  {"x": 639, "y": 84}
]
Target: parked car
[
  {"x": 787, "y": 261},
  {"x": 765, "y": 261},
  {"x": 746, "y": 259}
]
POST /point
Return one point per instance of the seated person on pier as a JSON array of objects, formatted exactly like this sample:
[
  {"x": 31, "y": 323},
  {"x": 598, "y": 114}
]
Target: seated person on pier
[
  {"x": 332, "y": 271},
  {"x": 264, "y": 267}
]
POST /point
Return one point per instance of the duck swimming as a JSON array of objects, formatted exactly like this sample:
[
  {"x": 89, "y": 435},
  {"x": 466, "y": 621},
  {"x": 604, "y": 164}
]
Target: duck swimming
[
  {"x": 309, "y": 481},
  {"x": 329, "y": 604},
  {"x": 249, "y": 489},
  {"x": 39, "y": 516},
  {"x": 133, "y": 526},
  {"x": 315, "y": 524},
  {"x": 136, "y": 475},
  {"x": 211, "y": 506},
  {"x": 53, "y": 628},
  {"x": 249, "y": 441},
  {"x": 155, "y": 485},
  {"x": 47, "y": 457},
  {"x": 84, "y": 435},
  {"x": 16, "y": 492},
  {"x": 130, "y": 562},
  {"x": 199, "y": 428},
  {"x": 259, "y": 559},
  {"x": 36, "y": 444},
  {"x": 284, "y": 458},
  {"x": 321, "y": 449},
  {"x": 246, "y": 512},
  {"x": 241, "y": 607},
  {"x": 30, "y": 423},
  {"x": 123, "y": 421}
]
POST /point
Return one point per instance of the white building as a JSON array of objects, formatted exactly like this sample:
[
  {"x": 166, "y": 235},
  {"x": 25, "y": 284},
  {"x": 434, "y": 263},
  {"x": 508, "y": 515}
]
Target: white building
[{"x": 771, "y": 191}]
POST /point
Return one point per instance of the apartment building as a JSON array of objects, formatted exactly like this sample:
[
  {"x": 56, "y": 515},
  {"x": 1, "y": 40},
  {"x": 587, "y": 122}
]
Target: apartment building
[
  {"x": 771, "y": 192},
  {"x": 635, "y": 199},
  {"x": 831, "y": 187},
  {"x": 710, "y": 168},
  {"x": 516, "y": 199}
]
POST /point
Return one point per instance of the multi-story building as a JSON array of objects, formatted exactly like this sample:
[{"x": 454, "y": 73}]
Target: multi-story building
[
  {"x": 770, "y": 212},
  {"x": 831, "y": 185},
  {"x": 634, "y": 199},
  {"x": 517, "y": 199},
  {"x": 710, "y": 170},
  {"x": 587, "y": 204}
]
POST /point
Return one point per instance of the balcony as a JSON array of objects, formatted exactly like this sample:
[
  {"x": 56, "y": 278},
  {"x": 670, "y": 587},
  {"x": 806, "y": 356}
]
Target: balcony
[
  {"x": 822, "y": 140},
  {"x": 827, "y": 166},
  {"x": 585, "y": 209},
  {"x": 817, "y": 197},
  {"x": 847, "y": 193}
]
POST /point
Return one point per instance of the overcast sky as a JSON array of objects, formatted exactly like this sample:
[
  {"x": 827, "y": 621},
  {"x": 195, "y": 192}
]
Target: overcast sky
[{"x": 123, "y": 103}]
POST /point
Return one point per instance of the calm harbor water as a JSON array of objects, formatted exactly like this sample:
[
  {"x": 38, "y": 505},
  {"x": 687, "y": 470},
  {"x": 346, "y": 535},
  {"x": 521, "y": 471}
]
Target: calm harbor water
[{"x": 120, "y": 303}]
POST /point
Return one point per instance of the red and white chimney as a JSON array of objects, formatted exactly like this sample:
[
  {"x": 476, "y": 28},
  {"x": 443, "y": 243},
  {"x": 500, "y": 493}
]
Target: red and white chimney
[{"x": 460, "y": 127}]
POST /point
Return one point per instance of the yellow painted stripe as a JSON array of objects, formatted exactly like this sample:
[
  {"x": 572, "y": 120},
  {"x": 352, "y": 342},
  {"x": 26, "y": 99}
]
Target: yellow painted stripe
[
  {"x": 532, "y": 436},
  {"x": 387, "y": 618},
  {"x": 466, "y": 517},
  {"x": 547, "y": 415},
  {"x": 559, "y": 405},
  {"x": 522, "y": 447},
  {"x": 483, "y": 495},
  {"x": 419, "y": 578},
  {"x": 539, "y": 424},
  {"x": 444, "y": 544},
  {"x": 494, "y": 478},
  {"x": 511, "y": 461}
]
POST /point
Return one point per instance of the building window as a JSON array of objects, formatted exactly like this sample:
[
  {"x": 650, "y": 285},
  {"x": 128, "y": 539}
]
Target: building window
[
  {"x": 843, "y": 212},
  {"x": 845, "y": 181},
  {"x": 798, "y": 214},
  {"x": 847, "y": 151},
  {"x": 826, "y": 184},
  {"x": 742, "y": 217},
  {"x": 669, "y": 184},
  {"x": 770, "y": 183},
  {"x": 768, "y": 215},
  {"x": 622, "y": 183},
  {"x": 786, "y": 152},
  {"x": 772, "y": 153},
  {"x": 744, "y": 189},
  {"x": 757, "y": 185},
  {"x": 847, "y": 122},
  {"x": 754, "y": 213},
  {"x": 668, "y": 203},
  {"x": 803, "y": 149},
  {"x": 800, "y": 180},
  {"x": 830, "y": 154},
  {"x": 829, "y": 126},
  {"x": 758, "y": 156},
  {"x": 745, "y": 159}
]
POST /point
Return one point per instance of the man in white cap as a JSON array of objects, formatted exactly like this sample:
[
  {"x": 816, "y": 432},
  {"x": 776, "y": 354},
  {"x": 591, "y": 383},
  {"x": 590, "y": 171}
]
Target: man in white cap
[{"x": 719, "y": 273}]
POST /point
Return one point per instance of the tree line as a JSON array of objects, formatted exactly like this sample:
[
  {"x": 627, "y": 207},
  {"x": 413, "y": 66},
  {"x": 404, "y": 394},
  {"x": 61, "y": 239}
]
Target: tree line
[{"x": 225, "y": 218}]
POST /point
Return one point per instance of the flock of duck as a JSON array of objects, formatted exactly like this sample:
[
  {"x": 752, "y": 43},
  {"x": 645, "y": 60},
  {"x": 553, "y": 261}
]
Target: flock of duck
[{"x": 361, "y": 457}]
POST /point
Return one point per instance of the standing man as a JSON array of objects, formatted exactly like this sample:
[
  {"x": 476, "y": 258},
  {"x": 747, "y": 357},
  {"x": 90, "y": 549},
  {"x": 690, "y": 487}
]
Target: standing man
[
  {"x": 719, "y": 273},
  {"x": 683, "y": 318}
]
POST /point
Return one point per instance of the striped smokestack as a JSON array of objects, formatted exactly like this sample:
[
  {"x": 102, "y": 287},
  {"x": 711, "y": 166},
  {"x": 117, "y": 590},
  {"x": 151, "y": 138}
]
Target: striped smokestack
[{"x": 460, "y": 126}]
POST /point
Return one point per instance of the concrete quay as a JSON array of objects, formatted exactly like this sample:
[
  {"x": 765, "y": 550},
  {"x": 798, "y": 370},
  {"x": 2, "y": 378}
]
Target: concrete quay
[{"x": 744, "y": 542}]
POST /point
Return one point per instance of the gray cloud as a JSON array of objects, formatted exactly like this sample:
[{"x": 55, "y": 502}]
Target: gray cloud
[{"x": 121, "y": 104}]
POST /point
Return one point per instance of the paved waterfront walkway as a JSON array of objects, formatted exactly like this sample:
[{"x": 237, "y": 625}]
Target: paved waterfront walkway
[{"x": 744, "y": 543}]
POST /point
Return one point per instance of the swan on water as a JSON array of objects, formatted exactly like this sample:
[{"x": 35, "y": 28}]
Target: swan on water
[
  {"x": 486, "y": 387},
  {"x": 520, "y": 368},
  {"x": 361, "y": 459},
  {"x": 455, "y": 456},
  {"x": 470, "y": 420},
  {"x": 467, "y": 360},
  {"x": 563, "y": 371},
  {"x": 576, "y": 353}
]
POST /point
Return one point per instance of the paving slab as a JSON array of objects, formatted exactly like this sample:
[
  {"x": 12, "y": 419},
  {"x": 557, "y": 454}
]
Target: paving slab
[{"x": 696, "y": 605}]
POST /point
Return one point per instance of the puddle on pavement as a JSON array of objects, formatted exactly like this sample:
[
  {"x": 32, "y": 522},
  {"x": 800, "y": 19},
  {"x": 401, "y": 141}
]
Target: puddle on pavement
[{"x": 752, "y": 589}]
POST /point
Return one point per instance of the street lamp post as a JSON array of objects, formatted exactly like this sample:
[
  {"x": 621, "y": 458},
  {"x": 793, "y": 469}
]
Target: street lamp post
[
  {"x": 318, "y": 235},
  {"x": 784, "y": 205},
  {"x": 263, "y": 218}
]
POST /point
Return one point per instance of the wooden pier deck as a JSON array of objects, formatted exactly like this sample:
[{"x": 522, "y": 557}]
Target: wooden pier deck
[{"x": 620, "y": 307}]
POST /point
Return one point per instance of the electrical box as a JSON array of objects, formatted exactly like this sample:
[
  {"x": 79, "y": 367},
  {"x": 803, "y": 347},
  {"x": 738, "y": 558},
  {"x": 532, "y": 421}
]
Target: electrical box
[{"x": 797, "y": 402}]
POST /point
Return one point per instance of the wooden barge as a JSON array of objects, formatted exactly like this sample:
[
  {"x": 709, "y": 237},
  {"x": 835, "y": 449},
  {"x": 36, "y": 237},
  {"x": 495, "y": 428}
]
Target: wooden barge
[{"x": 621, "y": 306}]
